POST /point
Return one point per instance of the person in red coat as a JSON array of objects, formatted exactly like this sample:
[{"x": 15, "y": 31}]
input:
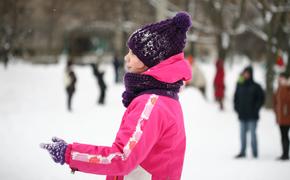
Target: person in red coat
[{"x": 219, "y": 84}]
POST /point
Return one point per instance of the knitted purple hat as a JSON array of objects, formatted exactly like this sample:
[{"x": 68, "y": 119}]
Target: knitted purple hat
[{"x": 159, "y": 41}]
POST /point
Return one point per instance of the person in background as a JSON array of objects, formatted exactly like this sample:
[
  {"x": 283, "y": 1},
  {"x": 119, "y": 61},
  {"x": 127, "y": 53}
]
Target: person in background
[
  {"x": 116, "y": 64},
  {"x": 219, "y": 83},
  {"x": 281, "y": 102},
  {"x": 248, "y": 100},
  {"x": 198, "y": 78},
  {"x": 151, "y": 141},
  {"x": 4, "y": 54},
  {"x": 101, "y": 82},
  {"x": 70, "y": 83}
]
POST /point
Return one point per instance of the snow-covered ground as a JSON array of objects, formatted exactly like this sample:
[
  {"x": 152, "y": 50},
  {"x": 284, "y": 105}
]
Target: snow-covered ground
[{"x": 33, "y": 109}]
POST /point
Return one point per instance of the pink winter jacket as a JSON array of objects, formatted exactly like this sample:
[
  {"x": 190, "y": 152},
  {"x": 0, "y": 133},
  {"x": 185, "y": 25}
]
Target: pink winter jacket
[{"x": 151, "y": 136}]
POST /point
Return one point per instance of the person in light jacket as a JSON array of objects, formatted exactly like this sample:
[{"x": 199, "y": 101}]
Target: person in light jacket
[
  {"x": 198, "y": 79},
  {"x": 151, "y": 141}
]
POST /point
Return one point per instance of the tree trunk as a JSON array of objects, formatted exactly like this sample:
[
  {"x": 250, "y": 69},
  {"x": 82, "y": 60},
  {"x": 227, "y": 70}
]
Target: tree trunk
[
  {"x": 288, "y": 63},
  {"x": 54, "y": 12},
  {"x": 191, "y": 43},
  {"x": 125, "y": 17},
  {"x": 269, "y": 75},
  {"x": 191, "y": 50},
  {"x": 161, "y": 10},
  {"x": 12, "y": 38}
]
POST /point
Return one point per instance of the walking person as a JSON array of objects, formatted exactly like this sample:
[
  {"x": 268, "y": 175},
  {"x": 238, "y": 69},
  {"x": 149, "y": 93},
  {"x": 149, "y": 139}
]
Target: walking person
[
  {"x": 219, "y": 83},
  {"x": 70, "y": 83},
  {"x": 4, "y": 54},
  {"x": 101, "y": 83},
  {"x": 116, "y": 64},
  {"x": 150, "y": 143},
  {"x": 248, "y": 100},
  {"x": 281, "y": 103}
]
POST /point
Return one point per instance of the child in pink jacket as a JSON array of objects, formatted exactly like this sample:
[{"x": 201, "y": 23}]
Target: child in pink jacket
[{"x": 150, "y": 143}]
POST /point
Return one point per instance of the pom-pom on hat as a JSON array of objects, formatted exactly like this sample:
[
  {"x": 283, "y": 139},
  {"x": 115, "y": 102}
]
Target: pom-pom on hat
[{"x": 159, "y": 41}]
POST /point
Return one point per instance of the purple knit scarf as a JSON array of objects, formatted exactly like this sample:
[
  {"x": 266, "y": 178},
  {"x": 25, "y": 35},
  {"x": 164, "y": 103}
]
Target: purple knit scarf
[{"x": 138, "y": 84}]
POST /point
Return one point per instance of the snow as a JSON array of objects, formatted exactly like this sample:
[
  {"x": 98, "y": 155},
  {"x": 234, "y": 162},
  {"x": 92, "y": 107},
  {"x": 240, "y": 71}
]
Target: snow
[
  {"x": 32, "y": 110},
  {"x": 225, "y": 40},
  {"x": 217, "y": 5},
  {"x": 268, "y": 16}
]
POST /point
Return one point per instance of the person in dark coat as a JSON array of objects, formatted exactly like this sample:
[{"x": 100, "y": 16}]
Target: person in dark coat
[
  {"x": 116, "y": 64},
  {"x": 248, "y": 100},
  {"x": 4, "y": 55},
  {"x": 70, "y": 82},
  {"x": 281, "y": 102},
  {"x": 219, "y": 84},
  {"x": 102, "y": 85}
]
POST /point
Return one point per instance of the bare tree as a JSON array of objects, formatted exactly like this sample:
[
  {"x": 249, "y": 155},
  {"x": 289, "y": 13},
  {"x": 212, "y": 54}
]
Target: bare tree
[
  {"x": 224, "y": 21},
  {"x": 274, "y": 18},
  {"x": 54, "y": 12},
  {"x": 9, "y": 26}
]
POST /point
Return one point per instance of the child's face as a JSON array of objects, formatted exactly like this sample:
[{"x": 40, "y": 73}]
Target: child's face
[{"x": 133, "y": 64}]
